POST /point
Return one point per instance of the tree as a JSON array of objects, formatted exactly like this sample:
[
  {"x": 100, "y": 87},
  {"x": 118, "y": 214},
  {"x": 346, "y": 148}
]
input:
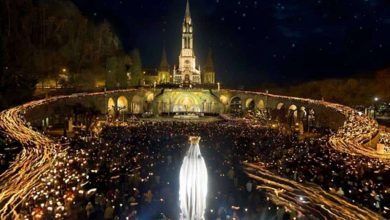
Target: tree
[
  {"x": 112, "y": 72},
  {"x": 136, "y": 68},
  {"x": 16, "y": 38},
  {"x": 41, "y": 38},
  {"x": 382, "y": 84},
  {"x": 117, "y": 69}
]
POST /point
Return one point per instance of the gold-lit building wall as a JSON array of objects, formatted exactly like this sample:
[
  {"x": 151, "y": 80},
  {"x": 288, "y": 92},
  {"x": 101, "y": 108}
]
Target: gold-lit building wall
[
  {"x": 150, "y": 79},
  {"x": 163, "y": 77},
  {"x": 208, "y": 77}
]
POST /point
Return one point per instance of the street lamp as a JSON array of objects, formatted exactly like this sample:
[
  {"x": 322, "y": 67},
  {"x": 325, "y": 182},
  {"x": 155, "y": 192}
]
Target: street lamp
[
  {"x": 106, "y": 103},
  {"x": 376, "y": 99}
]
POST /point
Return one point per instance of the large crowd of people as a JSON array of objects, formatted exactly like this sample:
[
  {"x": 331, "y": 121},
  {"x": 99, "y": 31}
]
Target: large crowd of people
[
  {"x": 357, "y": 127},
  {"x": 385, "y": 138},
  {"x": 130, "y": 171}
]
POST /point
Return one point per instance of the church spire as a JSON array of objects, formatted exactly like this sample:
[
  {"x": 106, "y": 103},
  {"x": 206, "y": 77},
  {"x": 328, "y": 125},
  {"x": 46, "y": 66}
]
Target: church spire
[
  {"x": 187, "y": 72},
  {"x": 187, "y": 39},
  {"x": 188, "y": 12}
]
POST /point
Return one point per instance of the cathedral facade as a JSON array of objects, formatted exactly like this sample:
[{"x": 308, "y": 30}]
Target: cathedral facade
[{"x": 187, "y": 72}]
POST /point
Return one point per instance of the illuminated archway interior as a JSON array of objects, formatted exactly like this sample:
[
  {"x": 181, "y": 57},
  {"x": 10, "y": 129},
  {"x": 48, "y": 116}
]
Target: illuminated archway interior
[
  {"x": 111, "y": 106},
  {"x": 183, "y": 101},
  {"x": 279, "y": 106},
  {"x": 122, "y": 104},
  {"x": 260, "y": 104},
  {"x": 149, "y": 97},
  {"x": 293, "y": 113},
  {"x": 235, "y": 105},
  {"x": 186, "y": 103},
  {"x": 250, "y": 104},
  {"x": 136, "y": 104}
]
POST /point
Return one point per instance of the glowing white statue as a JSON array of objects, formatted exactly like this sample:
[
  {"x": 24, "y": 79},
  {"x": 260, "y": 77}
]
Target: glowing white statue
[{"x": 193, "y": 183}]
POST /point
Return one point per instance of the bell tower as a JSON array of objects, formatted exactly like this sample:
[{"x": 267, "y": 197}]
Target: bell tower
[
  {"x": 187, "y": 39},
  {"x": 187, "y": 72}
]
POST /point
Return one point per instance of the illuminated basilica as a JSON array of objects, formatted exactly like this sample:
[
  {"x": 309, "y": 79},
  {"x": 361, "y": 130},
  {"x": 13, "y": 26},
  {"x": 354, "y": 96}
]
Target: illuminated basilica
[{"x": 187, "y": 72}]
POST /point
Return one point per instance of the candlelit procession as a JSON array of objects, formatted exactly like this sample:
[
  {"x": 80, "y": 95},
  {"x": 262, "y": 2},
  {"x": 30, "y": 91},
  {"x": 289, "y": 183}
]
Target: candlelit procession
[{"x": 88, "y": 132}]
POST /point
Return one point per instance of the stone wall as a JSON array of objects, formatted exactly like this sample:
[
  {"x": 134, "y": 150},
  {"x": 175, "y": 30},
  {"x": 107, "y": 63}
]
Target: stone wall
[
  {"x": 326, "y": 115},
  {"x": 142, "y": 100}
]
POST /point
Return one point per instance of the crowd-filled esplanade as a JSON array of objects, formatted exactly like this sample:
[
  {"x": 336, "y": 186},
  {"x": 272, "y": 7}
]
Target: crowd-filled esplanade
[{"x": 352, "y": 133}]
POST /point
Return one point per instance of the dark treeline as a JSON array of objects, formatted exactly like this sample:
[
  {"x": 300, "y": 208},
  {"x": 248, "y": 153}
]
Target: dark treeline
[
  {"x": 52, "y": 42},
  {"x": 351, "y": 91}
]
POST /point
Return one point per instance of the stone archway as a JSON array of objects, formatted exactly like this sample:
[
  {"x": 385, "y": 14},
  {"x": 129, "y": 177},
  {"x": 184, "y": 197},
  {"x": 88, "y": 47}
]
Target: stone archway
[
  {"x": 186, "y": 103},
  {"x": 149, "y": 97},
  {"x": 250, "y": 104},
  {"x": 311, "y": 118},
  {"x": 224, "y": 99},
  {"x": 279, "y": 106},
  {"x": 236, "y": 105},
  {"x": 137, "y": 104},
  {"x": 181, "y": 101},
  {"x": 260, "y": 105},
  {"x": 292, "y": 114},
  {"x": 302, "y": 113},
  {"x": 111, "y": 106},
  {"x": 279, "y": 113},
  {"x": 122, "y": 104}
]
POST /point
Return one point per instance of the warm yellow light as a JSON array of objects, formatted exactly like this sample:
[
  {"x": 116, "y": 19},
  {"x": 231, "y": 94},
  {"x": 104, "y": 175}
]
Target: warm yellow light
[
  {"x": 223, "y": 99},
  {"x": 150, "y": 97},
  {"x": 186, "y": 101}
]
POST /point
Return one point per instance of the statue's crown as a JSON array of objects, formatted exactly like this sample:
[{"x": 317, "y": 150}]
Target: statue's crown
[{"x": 194, "y": 139}]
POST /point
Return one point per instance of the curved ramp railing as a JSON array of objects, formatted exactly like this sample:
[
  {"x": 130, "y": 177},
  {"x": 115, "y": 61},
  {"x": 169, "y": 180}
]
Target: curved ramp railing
[
  {"x": 308, "y": 199},
  {"x": 38, "y": 156},
  {"x": 355, "y": 134}
]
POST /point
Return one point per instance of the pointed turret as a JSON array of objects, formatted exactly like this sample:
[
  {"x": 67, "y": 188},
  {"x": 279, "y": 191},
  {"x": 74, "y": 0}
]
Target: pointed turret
[
  {"x": 164, "y": 75},
  {"x": 209, "y": 72},
  {"x": 164, "y": 66},
  {"x": 209, "y": 67}
]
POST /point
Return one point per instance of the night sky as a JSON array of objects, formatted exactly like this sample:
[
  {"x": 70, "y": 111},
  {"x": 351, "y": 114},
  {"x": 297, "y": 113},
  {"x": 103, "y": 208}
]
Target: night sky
[{"x": 258, "y": 41}]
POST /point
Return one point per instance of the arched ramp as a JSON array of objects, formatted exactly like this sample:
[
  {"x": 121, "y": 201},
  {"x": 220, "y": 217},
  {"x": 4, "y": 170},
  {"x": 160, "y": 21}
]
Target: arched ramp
[
  {"x": 292, "y": 114},
  {"x": 260, "y": 104},
  {"x": 250, "y": 104},
  {"x": 279, "y": 106},
  {"x": 236, "y": 105},
  {"x": 111, "y": 106},
  {"x": 137, "y": 104},
  {"x": 122, "y": 104}
]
